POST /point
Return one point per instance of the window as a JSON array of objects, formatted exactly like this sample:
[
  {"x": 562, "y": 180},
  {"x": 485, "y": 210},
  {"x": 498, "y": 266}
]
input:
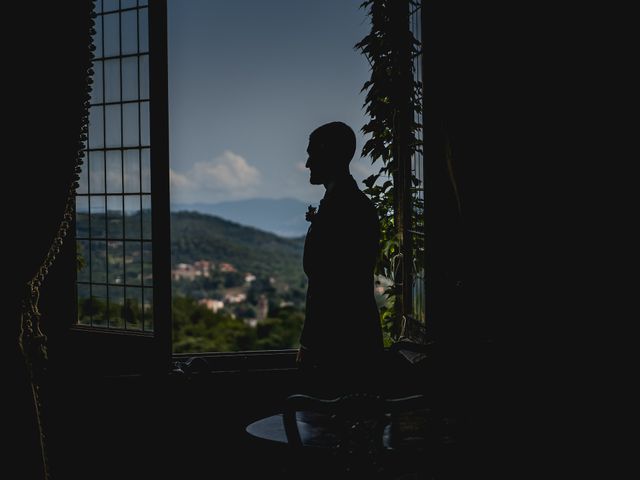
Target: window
[
  {"x": 113, "y": 203},
  {"x": 123, "y": 212},
  {"x": 121, "y": 203}
]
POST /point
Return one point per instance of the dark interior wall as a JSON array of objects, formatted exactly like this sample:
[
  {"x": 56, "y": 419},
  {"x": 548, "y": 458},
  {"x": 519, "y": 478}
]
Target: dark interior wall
[
  {"x": 476, "y": 107},
  {"x": 468, "y": 141},
  {"x": 133, "y": 427}
]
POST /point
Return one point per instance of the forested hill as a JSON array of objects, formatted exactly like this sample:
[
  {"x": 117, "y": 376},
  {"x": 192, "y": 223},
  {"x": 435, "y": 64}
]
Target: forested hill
[
  {"x": 282, "y": 216},
  {"x": 196, "y": 236}
]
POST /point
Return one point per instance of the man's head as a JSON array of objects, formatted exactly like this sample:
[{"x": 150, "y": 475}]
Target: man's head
[{"x": 331, "y": 148}]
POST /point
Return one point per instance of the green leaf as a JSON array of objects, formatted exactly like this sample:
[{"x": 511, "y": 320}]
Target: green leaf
[
  {"x": 380, "y": 46},
  {"x": 369, "y": 181}
]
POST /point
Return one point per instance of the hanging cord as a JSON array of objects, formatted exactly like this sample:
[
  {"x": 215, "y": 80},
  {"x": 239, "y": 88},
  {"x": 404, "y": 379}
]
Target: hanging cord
[{"x": 31, "y": 340}]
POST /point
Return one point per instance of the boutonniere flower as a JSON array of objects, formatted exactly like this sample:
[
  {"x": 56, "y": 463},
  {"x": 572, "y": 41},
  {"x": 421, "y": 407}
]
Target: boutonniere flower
[{"x": 311, "y": 213}]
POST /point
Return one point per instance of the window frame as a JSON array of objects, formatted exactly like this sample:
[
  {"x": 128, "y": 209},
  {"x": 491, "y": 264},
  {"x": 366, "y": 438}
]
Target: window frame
[
  {"x": 139, "y": 351},
  {"x": 153, "y": 352},
  {"x": 160, "y": 211}
]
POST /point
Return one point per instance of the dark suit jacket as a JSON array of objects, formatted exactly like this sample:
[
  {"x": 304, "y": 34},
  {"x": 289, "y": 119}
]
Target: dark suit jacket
[{"x": 342, "y": 324}]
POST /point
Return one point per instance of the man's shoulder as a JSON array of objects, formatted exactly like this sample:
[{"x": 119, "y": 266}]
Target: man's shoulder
[
  {"x": 365, "y": 203},
  {"x": 351, "y": 202},
  {"x": 362, "y": 212},
  {"x": 356, "y": 195}
]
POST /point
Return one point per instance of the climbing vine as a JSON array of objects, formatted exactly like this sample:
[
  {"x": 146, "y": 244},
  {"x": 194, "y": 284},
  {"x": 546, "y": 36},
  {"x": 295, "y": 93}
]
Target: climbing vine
[{"x": 386, "y": 100}]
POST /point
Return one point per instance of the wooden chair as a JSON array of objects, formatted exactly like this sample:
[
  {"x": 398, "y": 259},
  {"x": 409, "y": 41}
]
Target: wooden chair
[{"x": 356, "y": 435}]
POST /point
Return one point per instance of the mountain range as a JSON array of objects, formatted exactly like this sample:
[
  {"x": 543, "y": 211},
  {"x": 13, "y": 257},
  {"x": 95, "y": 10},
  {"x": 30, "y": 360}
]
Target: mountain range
[{"x": 283, "y": 216}]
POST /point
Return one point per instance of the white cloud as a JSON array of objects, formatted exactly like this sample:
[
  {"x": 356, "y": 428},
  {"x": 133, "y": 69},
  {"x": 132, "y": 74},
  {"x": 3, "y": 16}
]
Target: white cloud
[
  {"x": 178, "y": 181},
  {"x": 300, "y": 167},
  {"x": 226, "y": 177},
  {"x": 228, "y": 171},
  {"x": 363, "y": 168}
]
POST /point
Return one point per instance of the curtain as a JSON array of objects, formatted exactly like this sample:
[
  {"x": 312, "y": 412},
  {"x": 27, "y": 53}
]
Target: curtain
[{"x": 46, "y": 91}]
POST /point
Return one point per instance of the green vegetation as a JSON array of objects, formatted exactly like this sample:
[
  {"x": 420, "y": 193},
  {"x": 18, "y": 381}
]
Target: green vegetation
[
  {"x": 198, "y": 329},
  {"x": 266, "y": 313},
  {"x": 393, "y": 103},
  {"x": 117, "y": 313},
  {"x": 254, "y": 279}
]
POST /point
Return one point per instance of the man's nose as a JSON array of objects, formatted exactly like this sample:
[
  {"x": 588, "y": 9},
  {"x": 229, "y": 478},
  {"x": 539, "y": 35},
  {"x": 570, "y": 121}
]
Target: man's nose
[{"x": 308, "y": 164}]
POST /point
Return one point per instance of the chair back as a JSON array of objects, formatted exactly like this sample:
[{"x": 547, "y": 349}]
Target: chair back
[{"x": 357, "y": 428}]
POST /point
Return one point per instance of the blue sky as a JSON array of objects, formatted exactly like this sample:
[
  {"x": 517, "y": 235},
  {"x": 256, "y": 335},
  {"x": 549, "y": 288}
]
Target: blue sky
[{"x": 248, "y": 82}]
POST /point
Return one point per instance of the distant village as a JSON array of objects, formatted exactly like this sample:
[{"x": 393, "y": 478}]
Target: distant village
[
  {"x": 231, "y": 297},
  {"x": 203, "y": 268},
  {"x": 235, "y": 299}
]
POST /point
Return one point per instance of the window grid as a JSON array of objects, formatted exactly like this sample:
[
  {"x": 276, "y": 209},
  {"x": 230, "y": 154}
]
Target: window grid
[
  {"x": 139, "y": 155},
  {"x": 123, "y": 102},
  {"x": 105, "y": 298},
  {"x": 116, "y": 149},
  {"x": 123, "y": 56},
  {"x": 417, "y": 170}
]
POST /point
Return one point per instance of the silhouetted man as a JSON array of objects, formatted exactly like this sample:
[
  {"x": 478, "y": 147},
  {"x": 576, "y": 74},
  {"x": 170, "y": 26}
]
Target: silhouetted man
[{"x": 342, "y": 330}]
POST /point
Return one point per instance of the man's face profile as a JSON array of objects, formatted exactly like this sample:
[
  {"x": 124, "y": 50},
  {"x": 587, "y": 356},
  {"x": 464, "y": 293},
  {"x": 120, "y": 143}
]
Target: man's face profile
[{"x": 317, "y": 163}]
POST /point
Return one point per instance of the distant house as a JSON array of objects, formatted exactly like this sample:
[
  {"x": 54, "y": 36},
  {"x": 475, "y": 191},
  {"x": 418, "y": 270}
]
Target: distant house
[
  {"x": 211, "y": 304},
  {"x": 183, "y": 271},
  {"x": 263, "y": 308},
  {"x": 203, "y": 267},
  {"x": 188, "y": 271},
  {"x": 235, "y": 297},
  {"x": 227, "y": 267},
  {"x": 249, "y": 277}
]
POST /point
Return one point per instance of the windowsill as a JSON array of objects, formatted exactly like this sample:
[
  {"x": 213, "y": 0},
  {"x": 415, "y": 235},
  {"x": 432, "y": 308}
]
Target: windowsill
[
  {"x": 246, "y": 361},
  {"x": 137, "y": 351},
  {"x": 110, "y": 331}
]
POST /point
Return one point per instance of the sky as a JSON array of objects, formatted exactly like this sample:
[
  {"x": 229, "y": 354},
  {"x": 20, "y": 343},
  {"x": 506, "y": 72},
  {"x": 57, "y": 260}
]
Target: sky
[{"x": 248, "y": 82}]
